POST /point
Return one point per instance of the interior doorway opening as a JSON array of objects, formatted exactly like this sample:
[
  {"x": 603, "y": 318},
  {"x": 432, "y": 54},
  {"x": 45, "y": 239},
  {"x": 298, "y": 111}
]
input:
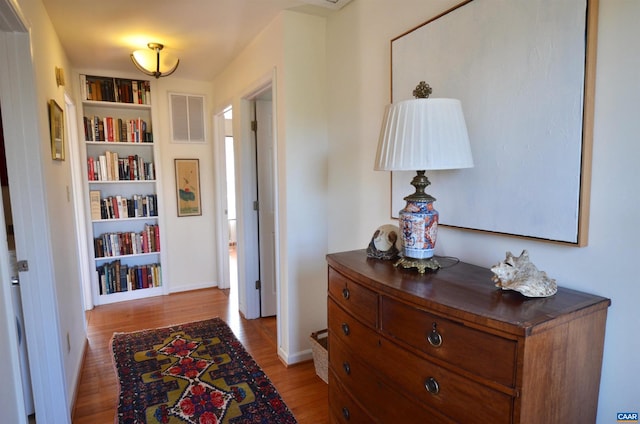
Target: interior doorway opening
[
  {"x": 231, "y": 205},
  {"x": 262, "y": 130},
  {"x": 243, "y": 170}
]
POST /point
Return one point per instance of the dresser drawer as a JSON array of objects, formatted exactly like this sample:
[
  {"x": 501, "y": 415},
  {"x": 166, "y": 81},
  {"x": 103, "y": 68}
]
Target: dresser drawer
[
  {"x": 461, "y": 399},
  {"x": 483, "y": 354},
  {"x": 349, "y": 330},
  {"x": 385, "y": 404},
  {"x": 353, "y": 297},
  {"x": 342, "y": 408}
]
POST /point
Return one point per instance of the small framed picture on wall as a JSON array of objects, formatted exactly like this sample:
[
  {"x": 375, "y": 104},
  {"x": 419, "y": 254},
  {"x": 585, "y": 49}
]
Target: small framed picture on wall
[
  {"x": 56, "y": 128},
  {"x": 188, "y": 187}
]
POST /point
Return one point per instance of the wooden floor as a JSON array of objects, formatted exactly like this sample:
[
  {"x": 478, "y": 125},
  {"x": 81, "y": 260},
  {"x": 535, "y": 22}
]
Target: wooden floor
[{"x": 302, "y": 390}]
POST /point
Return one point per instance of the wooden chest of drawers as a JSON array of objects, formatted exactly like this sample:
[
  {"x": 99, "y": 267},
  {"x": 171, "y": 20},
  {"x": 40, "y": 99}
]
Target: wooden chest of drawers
[{"x": 449, "y": 347}]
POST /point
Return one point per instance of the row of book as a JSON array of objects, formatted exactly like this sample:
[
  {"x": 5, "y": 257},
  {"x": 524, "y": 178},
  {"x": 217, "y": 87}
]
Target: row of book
[
  {"x": 119, "y": 130},
  {"x": 111, "y": 167},
  {"x": 120, "y": 90},
  {"x": 120, "y": 207},
  {"x": 116, "y": 277},
  {"x": 128, "y": 243}
]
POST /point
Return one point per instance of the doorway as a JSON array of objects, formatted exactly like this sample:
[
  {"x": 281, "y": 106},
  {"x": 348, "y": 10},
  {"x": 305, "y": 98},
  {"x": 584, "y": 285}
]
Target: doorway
[
  {"x": 256, "y": 233},
  {"x": 230, "y": 210},
  {"x": 262, "y": 132},
  {"x": 23, "y": 149},
  {"x": 16, "y": 296}
]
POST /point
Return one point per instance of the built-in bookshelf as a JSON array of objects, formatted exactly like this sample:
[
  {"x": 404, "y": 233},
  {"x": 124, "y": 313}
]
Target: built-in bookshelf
[{"x": 122, "y": 188}]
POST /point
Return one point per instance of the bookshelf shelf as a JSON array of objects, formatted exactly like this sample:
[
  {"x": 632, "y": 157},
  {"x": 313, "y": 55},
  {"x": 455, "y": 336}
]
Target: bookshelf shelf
[
  {"x": 136, "y": 218},
  {"x": 130, "y": 295},
  {"x": 115, "y": 105},
  {"x": 122, "y": 186},
  {"x": 120, "y": 143},
  {"x": 122, "y": 182},
  {"x": 137, "y": 255}
]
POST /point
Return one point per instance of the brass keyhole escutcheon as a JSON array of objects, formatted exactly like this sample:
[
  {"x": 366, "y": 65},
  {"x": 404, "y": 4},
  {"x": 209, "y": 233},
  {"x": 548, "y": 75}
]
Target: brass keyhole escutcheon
[
  {"x": 345, "y": 329},
  {"x": 434, "y": 337},
  {"x": 432, "y": 386},
  {"x": 346, "y": 294}
]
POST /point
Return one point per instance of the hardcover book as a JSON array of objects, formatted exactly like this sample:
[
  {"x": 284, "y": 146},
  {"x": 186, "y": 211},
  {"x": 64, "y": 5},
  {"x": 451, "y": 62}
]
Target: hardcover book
[{"x": 94, "y": 196}]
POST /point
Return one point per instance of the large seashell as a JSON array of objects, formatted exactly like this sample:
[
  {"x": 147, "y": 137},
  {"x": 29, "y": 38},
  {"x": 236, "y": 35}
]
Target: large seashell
[{"x": 519, "y": 274}]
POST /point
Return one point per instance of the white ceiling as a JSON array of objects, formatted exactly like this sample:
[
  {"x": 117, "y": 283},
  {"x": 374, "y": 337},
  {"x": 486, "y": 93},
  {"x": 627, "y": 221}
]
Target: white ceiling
[{"x": 204, "y": 34}]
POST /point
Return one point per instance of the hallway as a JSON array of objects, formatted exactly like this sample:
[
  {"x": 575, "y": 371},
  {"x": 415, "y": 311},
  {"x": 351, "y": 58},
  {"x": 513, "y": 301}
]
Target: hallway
[{"x": 302, "y": 390}]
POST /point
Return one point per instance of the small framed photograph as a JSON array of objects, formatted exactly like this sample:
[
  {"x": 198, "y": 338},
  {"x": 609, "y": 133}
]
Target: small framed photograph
[
  {"x": 188, "y": 187},
  {"x": 56, "y": 128}
]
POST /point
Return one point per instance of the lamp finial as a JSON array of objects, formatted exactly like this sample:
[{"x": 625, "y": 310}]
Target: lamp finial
[{"x": 422, "y": 91}]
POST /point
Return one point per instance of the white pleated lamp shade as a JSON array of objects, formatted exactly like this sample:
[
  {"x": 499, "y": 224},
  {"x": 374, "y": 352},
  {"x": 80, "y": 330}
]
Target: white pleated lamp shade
[{"x": 423, "y": 134}]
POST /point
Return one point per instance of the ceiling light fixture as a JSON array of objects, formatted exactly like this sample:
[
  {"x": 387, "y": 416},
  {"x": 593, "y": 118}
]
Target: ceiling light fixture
[{"x": 150, "y": 63}]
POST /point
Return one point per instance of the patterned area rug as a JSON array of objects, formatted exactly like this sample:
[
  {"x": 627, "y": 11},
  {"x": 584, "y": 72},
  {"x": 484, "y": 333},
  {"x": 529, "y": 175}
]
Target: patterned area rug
[{"x": 192, "y": 373}]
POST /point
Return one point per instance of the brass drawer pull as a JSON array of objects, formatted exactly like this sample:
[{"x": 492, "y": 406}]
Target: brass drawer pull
[
  {"x": 432, "y": 386},
  {"x": 434, "y": 338},
  {"x": 345, "y": 293},
  {"x": 347, "y": 367},
  {"x": 345, "y": 329},
  {"x": 345, "y": 413}
]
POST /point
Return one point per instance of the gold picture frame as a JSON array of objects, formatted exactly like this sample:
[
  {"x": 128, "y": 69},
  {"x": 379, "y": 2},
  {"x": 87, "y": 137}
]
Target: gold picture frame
[
  {"x": 56, "y": 130},
  {"x": 188, "y": 187}
]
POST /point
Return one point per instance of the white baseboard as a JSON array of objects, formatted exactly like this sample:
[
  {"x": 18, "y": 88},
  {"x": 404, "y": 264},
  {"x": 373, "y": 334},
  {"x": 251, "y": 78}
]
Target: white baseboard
[
  {"x": 305, "y": 355},
  {"x": 75, "y": 384},
  {"x": 193, "y": 287}
]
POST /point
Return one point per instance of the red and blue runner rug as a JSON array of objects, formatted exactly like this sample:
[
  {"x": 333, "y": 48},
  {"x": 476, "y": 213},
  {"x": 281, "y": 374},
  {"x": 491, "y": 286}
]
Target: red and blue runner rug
[{"x": 195, "y": 373}]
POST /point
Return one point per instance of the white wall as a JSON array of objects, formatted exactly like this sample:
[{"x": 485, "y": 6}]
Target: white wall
[
  {"x": 189, "y": 250},
  {"x": 359, "y": 82},
  {"x": 294, "y": 45},
  {"x": 305, "y": 182}
]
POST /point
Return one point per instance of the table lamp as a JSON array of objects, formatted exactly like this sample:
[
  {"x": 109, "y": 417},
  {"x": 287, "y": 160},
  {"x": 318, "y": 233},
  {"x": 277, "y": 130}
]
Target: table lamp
[{"x": 419, "y": 135}]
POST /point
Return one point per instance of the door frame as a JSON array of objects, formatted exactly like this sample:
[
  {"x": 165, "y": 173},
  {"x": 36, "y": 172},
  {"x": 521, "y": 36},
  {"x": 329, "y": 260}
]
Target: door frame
[
  {"x": 264, "y": 144},
  {"x": 222, "y": 223},
  {"x": 246, "y": 189},
  {"x": 28, "y": 200},
  {"x": 77, "y": 182},
  {"x": 245, "y": 173}
]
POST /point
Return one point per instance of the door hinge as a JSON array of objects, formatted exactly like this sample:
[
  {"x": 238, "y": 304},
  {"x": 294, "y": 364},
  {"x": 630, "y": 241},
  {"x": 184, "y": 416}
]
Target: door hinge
[
  {"x": 256, "y": 205},
  {"x": 23, "y": 266},
  {"x": 258, "y": 284},
  {"x": 254, "y": 125}
]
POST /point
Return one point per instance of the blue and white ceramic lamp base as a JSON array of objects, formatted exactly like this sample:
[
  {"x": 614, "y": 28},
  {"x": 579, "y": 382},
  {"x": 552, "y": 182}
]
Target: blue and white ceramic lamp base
[{"x": 419, "y": 229}]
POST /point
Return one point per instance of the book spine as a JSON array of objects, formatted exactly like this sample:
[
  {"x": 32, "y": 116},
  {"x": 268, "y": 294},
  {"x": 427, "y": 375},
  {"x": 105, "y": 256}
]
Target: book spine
[
  {"x": 134, "y": 87},
  {"x": 94, "y": 200},
  {"x": 124, "y": 286},
  {"x": 90, "y": 169},
  {"x": 95, "y": 123},
  {"x": 83, "y": 86}
]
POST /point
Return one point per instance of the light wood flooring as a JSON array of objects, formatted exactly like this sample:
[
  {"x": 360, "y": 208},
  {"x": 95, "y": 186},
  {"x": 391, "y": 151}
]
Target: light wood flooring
[{"x": 302, "y": 390}]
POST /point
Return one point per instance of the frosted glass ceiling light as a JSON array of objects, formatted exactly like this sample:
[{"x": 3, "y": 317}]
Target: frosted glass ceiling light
[{"x": 150, "y": 63}]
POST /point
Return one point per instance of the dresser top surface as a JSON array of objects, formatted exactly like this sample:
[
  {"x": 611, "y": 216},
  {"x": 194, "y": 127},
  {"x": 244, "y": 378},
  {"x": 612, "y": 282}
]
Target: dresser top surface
[{"x": 466, "y": 292}]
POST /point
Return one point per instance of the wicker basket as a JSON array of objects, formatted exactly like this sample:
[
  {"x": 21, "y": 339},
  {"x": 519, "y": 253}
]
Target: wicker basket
[{"x": 319, "y": 341}]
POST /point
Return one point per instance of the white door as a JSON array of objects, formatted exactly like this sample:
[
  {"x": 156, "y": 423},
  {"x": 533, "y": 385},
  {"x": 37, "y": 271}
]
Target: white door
[
  {"x": 266, "y": 204},
  {"x": 23, "y": 149}
]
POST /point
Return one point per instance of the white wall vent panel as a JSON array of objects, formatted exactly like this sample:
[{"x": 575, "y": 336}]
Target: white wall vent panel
[{"x": 187, "y": 118}]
